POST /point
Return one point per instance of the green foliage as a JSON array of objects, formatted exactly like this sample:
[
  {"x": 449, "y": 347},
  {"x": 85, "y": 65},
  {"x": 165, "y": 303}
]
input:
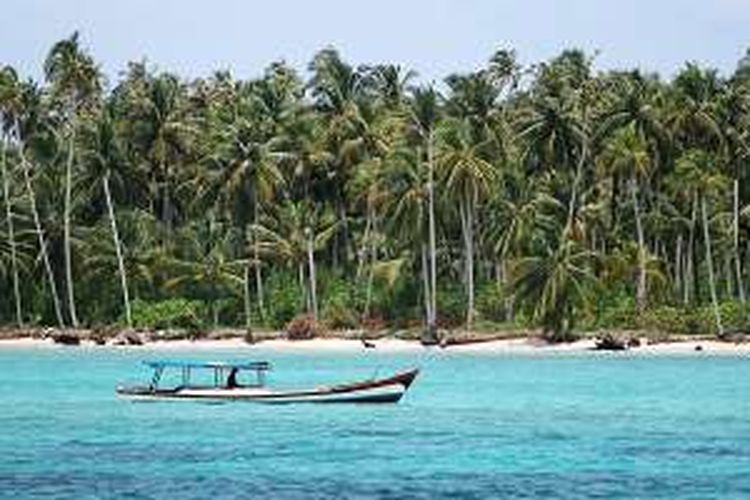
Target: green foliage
[
  {"x": 170, "y": 313},
  {"x": 283, "y": 299},
  {"x": 342, "y": 304},
  {"x": 612, "y": 309},
  {"x": 491, "y": 302},
  {"x": 451, "y": 304},
  {"x": 583, "y": 184}
]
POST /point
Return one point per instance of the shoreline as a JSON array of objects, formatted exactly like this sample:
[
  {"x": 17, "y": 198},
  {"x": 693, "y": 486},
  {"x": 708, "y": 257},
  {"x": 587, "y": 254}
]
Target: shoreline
[{"x": 511, "y": 346}]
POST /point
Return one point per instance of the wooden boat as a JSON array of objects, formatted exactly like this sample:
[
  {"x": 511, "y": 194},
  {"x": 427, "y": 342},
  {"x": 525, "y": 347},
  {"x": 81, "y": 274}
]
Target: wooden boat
[{"x": 226, "y": 383}]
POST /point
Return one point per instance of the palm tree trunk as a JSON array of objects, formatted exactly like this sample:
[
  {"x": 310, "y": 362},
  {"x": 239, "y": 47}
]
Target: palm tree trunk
[
  {"x": 373, "y": 253},
  {"x": 710, "y": 265},
  {"x": 11, "y": 233},
  {"x": 468, "y": 233},
  {"x": 363, "y": 252},
  {"x": 426, "y": 285},
  {"x": 431, "y": 321},
  {"x": 166, "y": 208},
  {"x": 678, "y": 266},
  {"x": 40, "y": 236},
  {"x": 641, "y": 290},
  {"x": 66, "y": 232},
  {"x": 574, "y": 190},
  {"x": 688, "y": 281},
  {"x": 258, "y": 270},
  {"x": 311, "y": 270},
  {"x": 118, "y": 251},
  {"x": 509, "y": 306},
  {"x": 302, "y": 286},
  {"x": 736, "y": 231},
  {"x": 248, "y": 307}
]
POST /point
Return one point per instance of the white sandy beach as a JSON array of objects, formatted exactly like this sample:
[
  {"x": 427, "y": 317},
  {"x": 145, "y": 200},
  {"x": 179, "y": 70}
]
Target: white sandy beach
[{"x": 505, "y": 347}]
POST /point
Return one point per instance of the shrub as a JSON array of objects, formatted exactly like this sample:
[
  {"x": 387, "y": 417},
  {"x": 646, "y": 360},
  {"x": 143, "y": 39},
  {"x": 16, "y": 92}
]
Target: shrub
[
  {"x": 283, "y": 299},
  {"x": 685, "y": 321},
  {"x": 490, "y": 301},
  {"x": 341, "y": 303},
  {"x": 170, "y": 313},
  {"x": 451, "y": 306},
  {"x": 303, "y": 327},
  {"x": 614, "y": 311},
  {"x": 735, "y": 317}
]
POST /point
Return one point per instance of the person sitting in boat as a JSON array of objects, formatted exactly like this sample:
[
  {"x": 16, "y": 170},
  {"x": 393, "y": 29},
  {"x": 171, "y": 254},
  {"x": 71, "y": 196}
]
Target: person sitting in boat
[{"x": 232, "y": 379}]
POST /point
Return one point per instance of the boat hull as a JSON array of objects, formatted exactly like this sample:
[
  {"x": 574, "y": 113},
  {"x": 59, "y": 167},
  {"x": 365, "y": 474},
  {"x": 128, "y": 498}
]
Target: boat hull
[{"x": 385, "y": 390}]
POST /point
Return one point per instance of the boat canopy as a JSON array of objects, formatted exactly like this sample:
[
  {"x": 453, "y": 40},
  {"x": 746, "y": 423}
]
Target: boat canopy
[{"x": 216, "y": 365}]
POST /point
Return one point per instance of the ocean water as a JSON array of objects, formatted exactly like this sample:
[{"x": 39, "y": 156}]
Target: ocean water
[{"x": 472, "y": 426}]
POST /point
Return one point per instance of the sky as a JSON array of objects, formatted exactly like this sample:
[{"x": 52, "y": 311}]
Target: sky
[{"x": 433, "y": 37}]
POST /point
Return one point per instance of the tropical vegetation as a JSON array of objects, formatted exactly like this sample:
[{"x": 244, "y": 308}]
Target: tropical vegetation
[{"x": 549, "y": 196}]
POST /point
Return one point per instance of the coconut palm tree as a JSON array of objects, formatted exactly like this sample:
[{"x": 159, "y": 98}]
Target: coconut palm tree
[
  {"x": 7, "y": 87},
  {"x": 104, "y": 158},
  {"x": 424, "y": 117},
  {"x": 293, "y": 233},
  {"x": 75, "y": 82},
  {"x": 626, "y": 155},
  {"x": 20, "y": 108},
  {"x": 555, "y": 284},
  {"x": 701, "y": 172},
  {"x": 467, "y": 173}
]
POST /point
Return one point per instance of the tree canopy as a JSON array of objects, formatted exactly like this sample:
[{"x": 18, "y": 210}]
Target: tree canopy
[{"x": 553, "y": 195}]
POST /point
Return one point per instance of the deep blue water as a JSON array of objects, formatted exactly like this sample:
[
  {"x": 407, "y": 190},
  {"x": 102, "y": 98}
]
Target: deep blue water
[{"x": 472, "y": 426}]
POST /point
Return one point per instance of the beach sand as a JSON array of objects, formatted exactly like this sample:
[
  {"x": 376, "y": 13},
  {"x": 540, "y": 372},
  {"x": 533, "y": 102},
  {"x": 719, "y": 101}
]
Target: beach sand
[{"x": 504, "y": 347}]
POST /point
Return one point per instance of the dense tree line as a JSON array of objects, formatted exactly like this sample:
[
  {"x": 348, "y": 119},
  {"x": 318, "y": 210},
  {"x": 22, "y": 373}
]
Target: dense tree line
[{"x": 543, "y": 195}]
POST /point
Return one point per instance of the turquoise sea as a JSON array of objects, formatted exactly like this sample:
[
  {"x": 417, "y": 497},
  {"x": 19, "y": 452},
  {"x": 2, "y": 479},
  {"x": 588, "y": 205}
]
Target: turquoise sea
[{"x": 472, "y": 426}]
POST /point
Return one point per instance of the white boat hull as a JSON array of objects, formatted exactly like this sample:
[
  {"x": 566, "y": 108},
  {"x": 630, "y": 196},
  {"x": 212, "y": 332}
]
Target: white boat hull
[{"x": 388, "y": 390}]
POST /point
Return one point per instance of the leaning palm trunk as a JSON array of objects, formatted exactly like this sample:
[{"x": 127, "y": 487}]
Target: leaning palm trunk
[
  {"x": 688, "y": 281},
  {"x": 248, "y": 312},
  {"x": 66, "y": 233},
  {"x": 710, "y": 265},
  {"x": 641, "y": 290},
  {"x": 258, "y": 270},
  {"x": 40, "y": 238},
  {"x": 426, "y": 285},
  {"x": 311, "y": 265},
  {"x": 431, "y": 320},
  {"x": 373, "y": 256},
  {"x": 467, "y": 219},
  {"x": 118, "y": 251},
  {"x": 574, "y": 190},
  {"x": 11, "y": 234},
  {"x": 678, "y": 266},
  {"x": 736, "y": 234}
]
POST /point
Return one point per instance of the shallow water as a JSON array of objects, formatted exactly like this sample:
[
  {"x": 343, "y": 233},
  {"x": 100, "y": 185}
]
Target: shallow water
[{"x": 472, "y": 426}]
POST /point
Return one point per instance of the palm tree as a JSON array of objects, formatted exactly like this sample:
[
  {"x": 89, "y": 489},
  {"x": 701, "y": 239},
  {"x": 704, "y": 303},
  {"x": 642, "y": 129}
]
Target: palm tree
[
  {"x": 626, "y": 155},
  {"x": 733, "y": 108},
  {"x": 19, "y": 107},
  {"x": 75, "y": 81},
  {"x": 7, "y": 86},
  {"x": 467, "y": 174},
  {"x": 699, "y": 170},
  {"x": 249, "y": 175},
  {"x": 292, "y": 234},
  {"x": 337, "y": 90},
  {"x": 161, "y": 132},
  {"x": 555, "y": 284},
  {"x": 206, "y": 270},
  {"x": 104, "y": 157},
  {"x": 424, "y": 118}
]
